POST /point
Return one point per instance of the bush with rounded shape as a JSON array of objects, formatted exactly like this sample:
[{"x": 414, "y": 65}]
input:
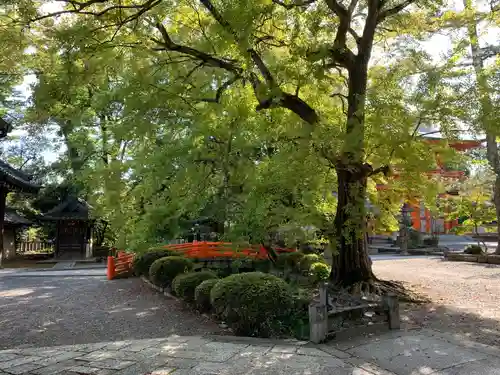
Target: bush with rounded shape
[
  {"x": 143, "y": 261},
  {"x": 310, "y": 259},
  {"x": 474, "y": 249},
  {"x": 320, "y": 271},
  {"x": 184, "y": 285},
  {"x": 254, "y": 304},
  {"x": 164, "y": 270},
  {"x": 202, "y": 294},
  {"x": 289, "y": 260}
]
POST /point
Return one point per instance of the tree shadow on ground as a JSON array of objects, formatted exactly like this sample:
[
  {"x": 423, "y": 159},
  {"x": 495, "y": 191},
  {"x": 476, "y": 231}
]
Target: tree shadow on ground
[
  {"x": 50, "y": 311},
  {"x": 461, "y": 323}
]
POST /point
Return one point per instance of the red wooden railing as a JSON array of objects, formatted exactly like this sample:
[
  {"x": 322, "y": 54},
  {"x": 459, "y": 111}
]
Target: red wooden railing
[
  {"x": 205, "y": 249},
  {"x": 121, "y": 265}
]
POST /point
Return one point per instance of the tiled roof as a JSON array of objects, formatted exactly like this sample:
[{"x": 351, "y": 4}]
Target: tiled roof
[
  {"x": 71, "y": 208},
  {"x": 12, "y": 217},
  {"x": 16, "y": 179}
]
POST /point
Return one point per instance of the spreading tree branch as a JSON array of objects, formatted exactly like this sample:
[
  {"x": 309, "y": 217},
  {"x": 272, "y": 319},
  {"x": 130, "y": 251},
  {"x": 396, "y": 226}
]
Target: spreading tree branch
[
  {"x": 394, "y": 10},
  {"x": 303, "y": 3},
  {"x": 208, "y": 59}
]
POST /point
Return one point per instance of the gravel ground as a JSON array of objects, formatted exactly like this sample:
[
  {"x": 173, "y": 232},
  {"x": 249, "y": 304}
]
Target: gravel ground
[
  {"x": 48, "y": 311},
  {"x": 465, "y": 296}
]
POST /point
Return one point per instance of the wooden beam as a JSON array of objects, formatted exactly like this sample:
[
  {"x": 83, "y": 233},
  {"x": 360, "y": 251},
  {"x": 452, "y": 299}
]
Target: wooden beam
[{"x": 3, "y": 197}]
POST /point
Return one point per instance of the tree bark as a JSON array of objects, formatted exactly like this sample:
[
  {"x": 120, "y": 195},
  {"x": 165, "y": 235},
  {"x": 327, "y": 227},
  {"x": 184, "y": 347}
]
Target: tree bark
[{"x": 351, "y": 264}]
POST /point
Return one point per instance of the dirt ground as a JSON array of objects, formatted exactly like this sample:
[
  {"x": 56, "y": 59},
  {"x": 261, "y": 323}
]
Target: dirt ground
[{"x": 465, "y": 296}]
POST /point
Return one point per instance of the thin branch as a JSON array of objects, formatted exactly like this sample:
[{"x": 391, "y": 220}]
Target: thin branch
[
  {"x": 303, "y": 3},
  {"x": 221, "y": 90},
  {"x": 205, "y": 57},
  {"x": 394, "y": 10}
]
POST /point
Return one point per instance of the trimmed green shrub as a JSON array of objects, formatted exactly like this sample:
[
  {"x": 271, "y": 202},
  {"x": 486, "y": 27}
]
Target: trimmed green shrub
[
  {"x": 289, "y": 260},
  {"x": 320, "y": 271},
  {"x": 142, "y": 262},
  {"x": 184, "y": 285},
  {"x": 164, "y": 270},
  {"x": 254, "y": 304},
  {"x": 308, "y": 260},
  {"x": 202, "y": 294},
  {"x": 473, "y": 249}
]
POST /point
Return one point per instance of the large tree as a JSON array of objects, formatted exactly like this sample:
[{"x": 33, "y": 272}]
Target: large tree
[{"x": 290, "y": 53}]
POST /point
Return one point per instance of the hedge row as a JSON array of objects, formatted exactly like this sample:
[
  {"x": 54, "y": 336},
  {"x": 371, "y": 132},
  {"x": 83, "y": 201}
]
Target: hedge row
[{"x": 251, "y": 304}]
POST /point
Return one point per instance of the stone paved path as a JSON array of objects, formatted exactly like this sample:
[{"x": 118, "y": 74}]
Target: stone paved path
[{"x": 403, "y": 353}]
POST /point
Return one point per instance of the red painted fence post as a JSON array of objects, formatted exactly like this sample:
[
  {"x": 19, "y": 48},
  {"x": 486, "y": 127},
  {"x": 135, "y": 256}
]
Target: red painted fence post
[{"x": 111, "y": 268}]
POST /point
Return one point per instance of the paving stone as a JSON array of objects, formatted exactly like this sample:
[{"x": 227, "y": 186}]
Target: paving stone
[
  {"x": 253, "y": 350},
  {"x": 17, "y": 362},
  {"x": 225, "y": 346},
  {"x": 8, "y": 356},
  {"x": 98, "y": 355},
  {"x": 178, "y": 363},
  {"x": 284, "y": 349},
  {"x": 334, "y": 351},
  {"x": 429, "y": 360},
  {"x": 483, "y": 367},
  {"x": 163, "y": 371},
  {"x": 313, "y": 352},
  {"x": 118, "y": 345},
  {"x": 56, "y": 368},
  {"x": 227, "y": 368},
  {"x": 23, "y": 369},
  {"x": 210, "y": 356},
  {"x": 86, "y": 370},
  {"x": 368, "y": 366},
  {"x": 113, "y": 364}
]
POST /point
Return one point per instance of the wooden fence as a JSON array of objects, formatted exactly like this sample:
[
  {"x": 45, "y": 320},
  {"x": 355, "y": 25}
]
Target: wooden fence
[
  {"x": 120, "y": 266},
  {"x": 205, "y": 250},
  {"x": 34, "y": 247}
]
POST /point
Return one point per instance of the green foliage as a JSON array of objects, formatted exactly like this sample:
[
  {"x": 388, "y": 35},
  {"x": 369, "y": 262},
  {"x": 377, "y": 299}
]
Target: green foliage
[
  {"x": 164, "y": 270},
  {"x": 254, "y": 304},
  {"x": 308, "y": 260},
  {"x": 473, "y": 249},
  {"x": 158, "y": 139},
  {"x": 202, "y": 294},
  {"x": 320, "y": 271},
  {"x": 142, "y": 262},
  {"x": 184, "y": 285},
  {"x": 290, "y": 260}
]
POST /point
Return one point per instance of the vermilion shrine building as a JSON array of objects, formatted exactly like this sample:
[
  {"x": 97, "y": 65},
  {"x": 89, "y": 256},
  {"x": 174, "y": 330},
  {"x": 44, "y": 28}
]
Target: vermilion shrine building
[{"x": 421, "y": 217}]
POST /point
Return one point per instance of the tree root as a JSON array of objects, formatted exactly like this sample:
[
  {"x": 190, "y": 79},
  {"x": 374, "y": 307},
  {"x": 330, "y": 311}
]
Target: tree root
[{"x": 377, "y": 288}]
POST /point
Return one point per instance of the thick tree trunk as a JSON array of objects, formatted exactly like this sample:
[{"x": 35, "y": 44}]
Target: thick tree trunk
[{"x": 351, "y": 265}]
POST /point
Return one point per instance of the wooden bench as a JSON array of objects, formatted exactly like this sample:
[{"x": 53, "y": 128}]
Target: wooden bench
[{"x": 323, "y": 321}]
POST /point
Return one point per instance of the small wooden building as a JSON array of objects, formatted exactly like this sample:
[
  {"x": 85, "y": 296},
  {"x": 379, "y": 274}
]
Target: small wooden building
[
  {"x": 11, "y": 179},
  {"x": 73, "y": 228},
  {"x": 13, "y": 222}
]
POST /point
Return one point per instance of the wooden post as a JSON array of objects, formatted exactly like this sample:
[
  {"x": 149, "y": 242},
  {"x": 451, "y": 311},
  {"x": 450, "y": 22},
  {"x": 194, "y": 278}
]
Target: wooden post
[
  {"x": 318, "y": 316},
  {"x": 111, "y": 268},
  {"x": 3, "y": 197},
  {"x": 391, "y": 306}
]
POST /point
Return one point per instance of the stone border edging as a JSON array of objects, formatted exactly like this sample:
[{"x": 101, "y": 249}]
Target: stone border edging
[
  {"x": 473, "y": 258},
  {"x": 163, "y": 291}
]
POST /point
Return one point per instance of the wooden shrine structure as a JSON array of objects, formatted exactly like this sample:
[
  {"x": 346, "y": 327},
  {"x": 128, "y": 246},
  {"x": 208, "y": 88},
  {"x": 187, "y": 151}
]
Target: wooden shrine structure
[
  {"x": 73, "y": 228},
  {"x": 11, "y": 179},
  {"x": 421, "y": 216}
]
